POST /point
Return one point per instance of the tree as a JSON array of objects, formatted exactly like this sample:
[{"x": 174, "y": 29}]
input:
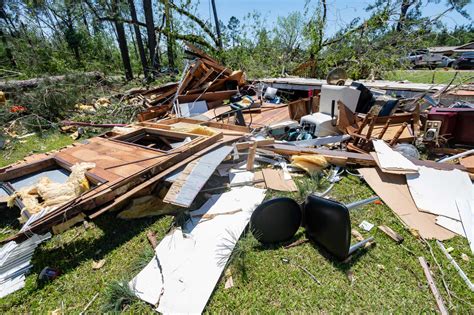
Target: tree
[
  {"x": 138, "y": 36},
  {"x": 150, "y": 30},
  {"x": 218, "y": 29},
  {"x": 169, "y": 34},
  {"x": 122, "y": 40},
  {"x": 233, "y": 26}
]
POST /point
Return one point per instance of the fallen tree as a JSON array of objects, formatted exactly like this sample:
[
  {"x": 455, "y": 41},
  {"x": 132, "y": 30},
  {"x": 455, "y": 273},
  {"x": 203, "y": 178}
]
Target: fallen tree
[{"x": 12, "y": 85}]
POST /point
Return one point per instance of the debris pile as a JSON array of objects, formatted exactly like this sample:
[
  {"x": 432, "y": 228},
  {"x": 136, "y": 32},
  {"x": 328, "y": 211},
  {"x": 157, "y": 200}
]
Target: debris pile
[{"x": 215, "y": 133}]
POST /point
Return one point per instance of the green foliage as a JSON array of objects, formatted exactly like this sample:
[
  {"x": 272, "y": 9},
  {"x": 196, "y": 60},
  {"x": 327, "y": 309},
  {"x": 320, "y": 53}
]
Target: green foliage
[{"x": 118, "y": 295}]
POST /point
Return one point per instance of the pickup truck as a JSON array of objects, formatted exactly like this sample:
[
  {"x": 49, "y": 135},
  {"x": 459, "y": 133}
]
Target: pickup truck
[{"x": 423, "y": 58}]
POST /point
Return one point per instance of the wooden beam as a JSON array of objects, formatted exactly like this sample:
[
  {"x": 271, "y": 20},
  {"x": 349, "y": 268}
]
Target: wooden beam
[
  {"x": 434, "y": 289},
  {"x": 251, "y": 156}
]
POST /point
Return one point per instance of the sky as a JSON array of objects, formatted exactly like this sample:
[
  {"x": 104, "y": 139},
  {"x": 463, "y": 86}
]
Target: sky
[{"x": 339, "y": 11}]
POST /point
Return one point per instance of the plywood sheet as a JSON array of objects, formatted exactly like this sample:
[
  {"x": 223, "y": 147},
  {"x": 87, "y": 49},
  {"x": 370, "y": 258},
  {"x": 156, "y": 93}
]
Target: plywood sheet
[
  {"x": 275, "y": 179},
  {"x": 394, "y": 192},
  {"x": 391, "y": 161}
]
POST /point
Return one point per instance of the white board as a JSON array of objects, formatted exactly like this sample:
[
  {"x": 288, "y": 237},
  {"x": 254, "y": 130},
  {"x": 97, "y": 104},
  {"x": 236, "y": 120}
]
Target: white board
[
  {"x": 435, "y": 191},
  {"x": 392, "y": 161},
  {"x": 466, "y": 212},
  {"x": 189, "y": 261}
]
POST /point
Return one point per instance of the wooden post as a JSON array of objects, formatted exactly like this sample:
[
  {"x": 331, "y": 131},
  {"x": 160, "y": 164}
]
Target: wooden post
[
  {"x": 434, "y": 289},
  {"x": 371, "y": 128},
  {"x": 251, "y": 156},
  {"x": 361, "y": 127},
  {"x": 364, "y": 122},
  {"x": 398, "y": 134},
  {"x": 385, "y": 128},
  {"x": 416, "y": 120}
]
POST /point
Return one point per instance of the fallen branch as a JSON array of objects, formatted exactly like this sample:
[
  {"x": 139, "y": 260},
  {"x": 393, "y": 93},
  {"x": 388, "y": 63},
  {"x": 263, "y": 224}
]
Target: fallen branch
[
  {"x": 12, "y": 85},
  {"x": 86, "y": 124}
]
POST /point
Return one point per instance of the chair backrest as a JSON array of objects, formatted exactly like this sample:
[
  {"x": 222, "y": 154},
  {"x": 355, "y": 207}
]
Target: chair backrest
[
  {"x": 276, "y": 220},
  {"x": 328, "y": 224}
]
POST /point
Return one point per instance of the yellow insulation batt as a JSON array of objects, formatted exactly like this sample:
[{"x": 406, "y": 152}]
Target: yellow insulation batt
[
  {"x": 197, "y": 130},
  {"x": 311, "y": 163},
  {"x": 48, "y": 194}
]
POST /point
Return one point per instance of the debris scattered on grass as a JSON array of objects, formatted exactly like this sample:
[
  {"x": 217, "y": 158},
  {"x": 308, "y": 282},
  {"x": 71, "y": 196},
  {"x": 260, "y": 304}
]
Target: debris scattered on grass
[{"x": 98, "y": 264}]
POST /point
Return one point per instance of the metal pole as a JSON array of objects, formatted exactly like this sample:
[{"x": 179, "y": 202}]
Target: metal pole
[
  {"x": 453, "y": 262},
  {"x": 469, "y": 152},
  {"x": 218, "y": 27},
  {"x": 359, "y": 203},
  {"x": 358, "y": 245}
]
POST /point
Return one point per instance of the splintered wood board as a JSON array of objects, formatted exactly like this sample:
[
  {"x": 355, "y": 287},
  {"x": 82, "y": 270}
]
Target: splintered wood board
[{"x": 194, "y": 177}]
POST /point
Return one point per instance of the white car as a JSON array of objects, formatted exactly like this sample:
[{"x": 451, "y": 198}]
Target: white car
[
  {"x": 446, "y": 62},
  {"x": 423, "y": 58}
]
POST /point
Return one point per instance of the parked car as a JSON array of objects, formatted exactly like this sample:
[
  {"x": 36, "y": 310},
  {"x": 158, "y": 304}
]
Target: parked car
[
  {"x": 446, "y": 62},
  {"x": 464, "y": 61},
  {"x": 423, "y": 58}
]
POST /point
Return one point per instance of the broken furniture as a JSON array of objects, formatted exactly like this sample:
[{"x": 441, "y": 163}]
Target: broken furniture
[
  {"x": 327, "y": 223},
  {"x": 392, "y": 129},
  {"x": 451, "y": 125},
  {"x": 276, "y": 220}
]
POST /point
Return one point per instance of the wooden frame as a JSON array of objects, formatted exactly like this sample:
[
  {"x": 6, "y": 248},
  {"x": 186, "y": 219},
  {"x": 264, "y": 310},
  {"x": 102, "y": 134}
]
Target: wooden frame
[
  {"x": 137, "y": 165},
  {"x": 50, "y": 163},
  {"x": 164, "y": 135}
]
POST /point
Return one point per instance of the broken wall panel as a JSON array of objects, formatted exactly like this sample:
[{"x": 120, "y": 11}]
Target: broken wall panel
[{"x": 119, "y": 167}]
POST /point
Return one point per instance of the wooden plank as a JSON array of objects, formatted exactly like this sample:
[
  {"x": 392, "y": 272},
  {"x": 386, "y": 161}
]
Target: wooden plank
[
  {"x": 167, "y": 123},
  {"x": 391, "y": 233},
  {"x": 150, "y": 185},
  {"x": 434, "y": 289},
  {"x": 275, "y": 179},
  {"x": 249, "y": 144},
  {"x": 208, "y": 96},
  {"x": 9, "y": 173},
  {"x": 194, "y": 176},
  {"x": 251, "y": 156},
  {"x": 339, "y": 158}
]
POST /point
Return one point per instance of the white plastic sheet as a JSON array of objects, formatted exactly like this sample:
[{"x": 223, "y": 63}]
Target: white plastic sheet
[{"x": 188, "y": 262}]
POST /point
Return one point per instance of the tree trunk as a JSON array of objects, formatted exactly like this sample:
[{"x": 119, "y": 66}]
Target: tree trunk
[
  {"x": 15, "y": 85},
  {"x": 134, "y": 43},
  {"x": 138, "y": 35},
  {"x": 170, "y": 38},
  {"x": 84, "y": 19},
  {"x": 218, "y": 27},
  {"x": 122, "y": 41},
  {"x": 406, "y": 4},
  {"x": 150, "y": 30},
  {"x": 8, "y": 50}
]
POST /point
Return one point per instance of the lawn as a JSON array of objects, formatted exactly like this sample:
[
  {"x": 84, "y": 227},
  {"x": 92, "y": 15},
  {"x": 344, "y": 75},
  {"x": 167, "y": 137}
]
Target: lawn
[
  {"x": 438, "y": 76},
  {"x": 384, "y": 278}
]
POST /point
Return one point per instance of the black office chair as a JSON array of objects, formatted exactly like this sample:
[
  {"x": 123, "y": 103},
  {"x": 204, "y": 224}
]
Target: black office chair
[{"x": 327, "y": 223}]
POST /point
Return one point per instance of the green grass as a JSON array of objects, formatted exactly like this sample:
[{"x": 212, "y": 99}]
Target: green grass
[
  {"x": 39, "y": 143},
  {"x": 438, "y": 76}
]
